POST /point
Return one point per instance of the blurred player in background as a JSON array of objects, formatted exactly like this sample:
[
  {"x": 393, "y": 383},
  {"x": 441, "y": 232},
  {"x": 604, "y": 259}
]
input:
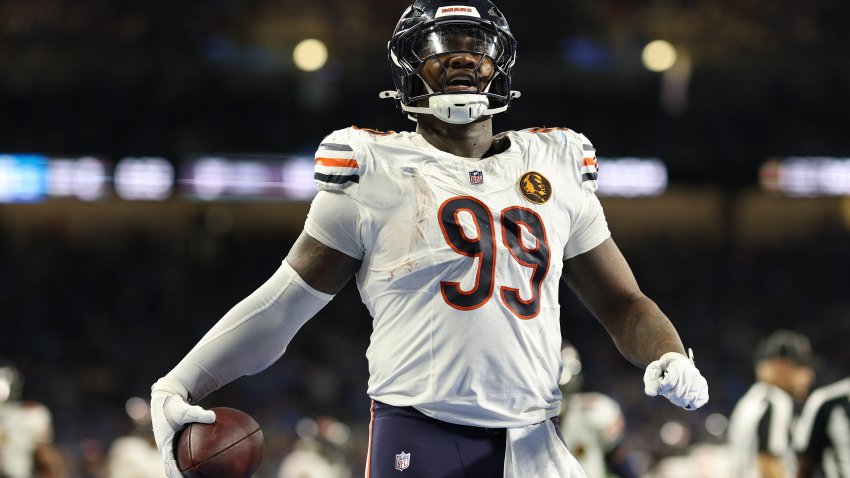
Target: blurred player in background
[
  {"x": 592, "y": 424},
  {"x": 135, "y": 455},
  {"x": 320, "y": 451},
  {"x": 26, "y": 432},
  {"x": 458, "y": 239},
  {"x": 761, "y": 424},
  {"x": 822, "y": 435}
]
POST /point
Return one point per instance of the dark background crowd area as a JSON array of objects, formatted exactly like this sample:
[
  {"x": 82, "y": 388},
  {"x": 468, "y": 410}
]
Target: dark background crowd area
[
  {"x": 92, "y": 317},
  {"x": 128, "y": 77}
]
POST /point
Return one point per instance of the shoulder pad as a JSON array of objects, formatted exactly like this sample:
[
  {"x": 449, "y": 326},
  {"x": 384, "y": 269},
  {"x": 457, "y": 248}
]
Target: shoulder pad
[
  {"x": 336, "y": 166},
  {"x": 579, "y": 148},
  {"x": 559, "y": 135},
  {"x": 339, "y": 158}
]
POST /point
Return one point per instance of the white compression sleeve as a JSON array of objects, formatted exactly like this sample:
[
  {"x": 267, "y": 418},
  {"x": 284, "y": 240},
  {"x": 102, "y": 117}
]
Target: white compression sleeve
[{"x": 252, "y": 335}]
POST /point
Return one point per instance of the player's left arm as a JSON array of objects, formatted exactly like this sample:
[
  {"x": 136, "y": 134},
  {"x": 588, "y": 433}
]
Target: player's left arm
[{"x": 604, "y": 282}]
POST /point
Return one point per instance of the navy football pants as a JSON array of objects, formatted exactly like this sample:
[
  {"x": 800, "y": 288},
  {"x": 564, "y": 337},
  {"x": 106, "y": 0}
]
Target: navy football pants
[{"x": 404, "y": 443}]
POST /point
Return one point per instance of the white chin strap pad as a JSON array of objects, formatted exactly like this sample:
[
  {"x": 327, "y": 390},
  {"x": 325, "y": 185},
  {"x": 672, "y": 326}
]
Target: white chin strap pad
[
  {"x": 458, "y": 109},
  {"x": 455, "y": 109}
]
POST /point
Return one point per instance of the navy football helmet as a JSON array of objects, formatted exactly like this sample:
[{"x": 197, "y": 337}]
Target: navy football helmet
[{"x": 430, "y": 29}]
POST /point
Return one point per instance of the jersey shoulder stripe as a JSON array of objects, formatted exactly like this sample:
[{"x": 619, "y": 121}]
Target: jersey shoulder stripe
[
  {"x": 589, "y": 166},
  {"x": 341, "y": 157}
]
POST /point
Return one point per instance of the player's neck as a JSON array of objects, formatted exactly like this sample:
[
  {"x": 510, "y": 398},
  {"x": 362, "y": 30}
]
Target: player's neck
[{"x": 473, "y": 140}]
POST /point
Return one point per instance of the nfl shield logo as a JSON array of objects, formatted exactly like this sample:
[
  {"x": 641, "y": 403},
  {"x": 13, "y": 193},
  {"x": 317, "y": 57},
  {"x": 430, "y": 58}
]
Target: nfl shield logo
[
  {"x": 476, "y": 177},
  {"x": 402, "y": 461}
]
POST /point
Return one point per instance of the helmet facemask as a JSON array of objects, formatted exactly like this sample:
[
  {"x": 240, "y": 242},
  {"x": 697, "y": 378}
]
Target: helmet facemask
[
  {"x": 440, "y": 45},
  {"x": 418, "y": 44}
]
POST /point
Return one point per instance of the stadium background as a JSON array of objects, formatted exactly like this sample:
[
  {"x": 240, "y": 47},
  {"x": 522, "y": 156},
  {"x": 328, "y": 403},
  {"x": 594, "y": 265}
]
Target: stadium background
[{"x": 99, "y": 298}]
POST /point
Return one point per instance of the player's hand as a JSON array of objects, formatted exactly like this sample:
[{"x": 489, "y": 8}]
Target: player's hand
[
  {"x": 170, "y": 412},
  {"x": 675, "y": 377}
]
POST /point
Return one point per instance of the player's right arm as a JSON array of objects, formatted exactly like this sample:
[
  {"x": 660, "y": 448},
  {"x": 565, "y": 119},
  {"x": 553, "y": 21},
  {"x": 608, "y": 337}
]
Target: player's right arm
[
  {"x": 256, "y": 332},
  {"x": 249, "y": 338}
]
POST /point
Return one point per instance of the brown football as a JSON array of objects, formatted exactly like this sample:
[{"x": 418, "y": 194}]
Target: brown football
[{"x": 231, "y": 447}]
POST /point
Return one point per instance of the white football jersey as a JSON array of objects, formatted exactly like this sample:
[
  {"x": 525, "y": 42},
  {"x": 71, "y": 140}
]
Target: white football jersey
[
  {"x": 134, "y": 457},
  {"x": 24, "y": 426},
  {"x": 462, "y": 259},
  {"x": 592, "y": 425}
]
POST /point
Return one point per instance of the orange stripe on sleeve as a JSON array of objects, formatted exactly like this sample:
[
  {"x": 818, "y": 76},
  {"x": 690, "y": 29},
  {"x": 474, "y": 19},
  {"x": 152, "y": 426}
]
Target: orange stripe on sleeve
[
  {"x": 336, "y": 162},
  {"x": 589, "y": 161}
]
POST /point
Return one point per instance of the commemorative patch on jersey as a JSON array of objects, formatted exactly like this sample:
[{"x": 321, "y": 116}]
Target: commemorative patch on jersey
[
  {"x": 535, "y": 187},
  {"x": 476, "y": 177}
]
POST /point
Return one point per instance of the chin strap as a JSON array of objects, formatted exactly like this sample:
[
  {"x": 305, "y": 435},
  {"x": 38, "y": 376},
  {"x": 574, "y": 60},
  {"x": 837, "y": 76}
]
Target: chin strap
[{"x": 452, "y": 108}]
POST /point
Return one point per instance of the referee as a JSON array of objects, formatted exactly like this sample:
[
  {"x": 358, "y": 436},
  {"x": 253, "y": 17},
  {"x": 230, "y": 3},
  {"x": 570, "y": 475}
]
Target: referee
[
  {"x": 822, "y": 436},
  {"x": 761, "y": 424}
]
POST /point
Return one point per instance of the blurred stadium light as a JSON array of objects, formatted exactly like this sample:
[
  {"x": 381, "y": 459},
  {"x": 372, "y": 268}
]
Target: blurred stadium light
[
  {"x": 248, "y": 177},
  {"x": 807, "y": 176},
  {"x": 659, "y": 56},
  {"x": 33, "y": 177},
  {"x": 310, "y": 55},
  {"x": 144, "y": 179},
  {"x": 82, "y": 178},
  {"x": 23, "y": 178},
  {"x": 632, "y": 177}
]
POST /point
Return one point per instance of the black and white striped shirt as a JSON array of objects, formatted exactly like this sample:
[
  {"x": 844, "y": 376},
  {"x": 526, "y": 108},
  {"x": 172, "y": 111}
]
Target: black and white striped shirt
[
  {"x": 823, "y": 432},
  {"x": 761, "y": 423}
]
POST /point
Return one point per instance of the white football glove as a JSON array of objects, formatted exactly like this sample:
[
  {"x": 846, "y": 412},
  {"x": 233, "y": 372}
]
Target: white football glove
[
  {"x": 676, "y": 378},
  {"x": 170, "y": 413}
]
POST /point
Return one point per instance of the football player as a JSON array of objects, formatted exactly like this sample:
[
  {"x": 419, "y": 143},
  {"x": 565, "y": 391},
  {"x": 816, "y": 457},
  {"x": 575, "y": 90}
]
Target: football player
[
  {"x": 134, "y": 455},
  {"x": 457, "y": 238},
  {"x": 592, "y": 423},
  {"x": 26, "y": 432}
]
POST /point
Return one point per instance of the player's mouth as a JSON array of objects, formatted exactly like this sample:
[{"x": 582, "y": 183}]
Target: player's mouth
[{"x": 461, "y": 82}]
